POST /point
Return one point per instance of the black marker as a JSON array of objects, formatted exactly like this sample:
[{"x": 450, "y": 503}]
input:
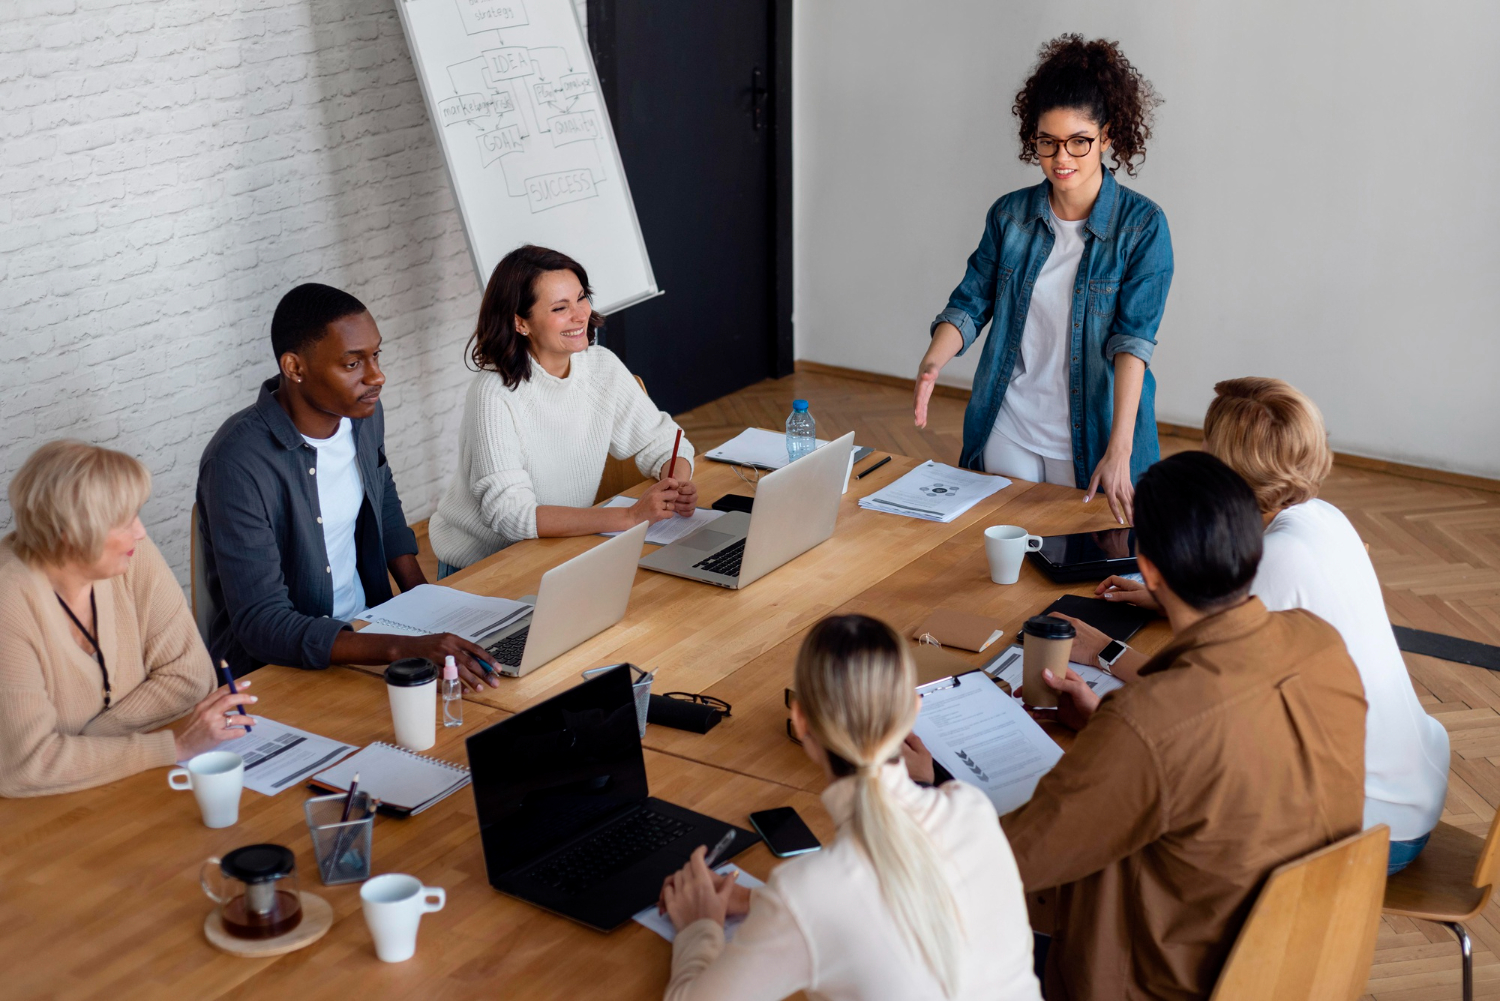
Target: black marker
[{"x": 872, "y": 469}]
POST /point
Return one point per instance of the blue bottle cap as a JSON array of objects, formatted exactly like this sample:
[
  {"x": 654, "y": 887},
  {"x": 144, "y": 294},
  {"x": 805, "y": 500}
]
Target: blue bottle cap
[{"x": 799, "y": 405}]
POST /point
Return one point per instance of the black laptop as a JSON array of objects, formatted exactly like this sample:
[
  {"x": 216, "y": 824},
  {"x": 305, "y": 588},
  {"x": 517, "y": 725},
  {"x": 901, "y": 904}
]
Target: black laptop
[{"x": 565, "y": 815}]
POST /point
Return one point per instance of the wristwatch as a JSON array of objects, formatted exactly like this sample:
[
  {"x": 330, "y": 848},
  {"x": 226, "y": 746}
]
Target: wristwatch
[{"x": 1112, "y": 652}]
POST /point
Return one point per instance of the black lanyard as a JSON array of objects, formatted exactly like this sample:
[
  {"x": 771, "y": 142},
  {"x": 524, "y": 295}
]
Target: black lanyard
[{"x": 98, "y": 650}]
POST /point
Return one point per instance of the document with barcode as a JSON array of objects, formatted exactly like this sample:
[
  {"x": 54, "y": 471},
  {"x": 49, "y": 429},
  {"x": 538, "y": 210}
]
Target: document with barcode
[
  {"x": 984, "y": 737},
  {"x": 278, "y": 756}
]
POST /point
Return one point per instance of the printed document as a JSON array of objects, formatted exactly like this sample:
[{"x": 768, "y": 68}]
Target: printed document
[
  {"x": 665, "y": 533},
  {"x": 755, "y": 447},
  {"x": 277, "y": 756},
  {"x": 662, "y": 925},
  {"x": 432, "y": 608},
  {"x": 985, "y": 738},
  {"x": 1007, "y": 667},
  {"x": 934, "y": 492}
]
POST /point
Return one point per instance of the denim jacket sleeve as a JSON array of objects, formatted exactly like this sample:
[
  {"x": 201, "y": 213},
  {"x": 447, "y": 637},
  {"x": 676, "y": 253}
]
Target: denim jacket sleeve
[
  {"x": 398, "y": 538},
  {"x": 973, "y": 301},
  {"x": 248, "y": 558},
  {"x": 1143, "y": 293}
]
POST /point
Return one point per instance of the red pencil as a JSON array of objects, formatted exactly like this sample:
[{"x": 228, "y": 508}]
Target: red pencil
[{"x": 672, "y": 466}]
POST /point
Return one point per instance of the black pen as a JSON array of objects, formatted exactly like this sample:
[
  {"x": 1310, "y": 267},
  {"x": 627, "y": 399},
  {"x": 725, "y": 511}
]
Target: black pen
[
  {"x": 228, "y": 677},
  {"x": 872, "y": 469}
]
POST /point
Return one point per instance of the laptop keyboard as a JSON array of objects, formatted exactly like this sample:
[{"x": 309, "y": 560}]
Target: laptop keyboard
[
  {"x": 509, "y": 650},
  {"x": 726, "y": 561},
  {"x": 615, "y": 848}
]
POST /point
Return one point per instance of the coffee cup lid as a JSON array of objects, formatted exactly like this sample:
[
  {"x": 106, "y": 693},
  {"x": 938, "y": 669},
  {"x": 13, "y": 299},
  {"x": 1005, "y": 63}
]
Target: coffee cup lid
[
  {"x": 410, "y": 671},
  {"x": 1049, "y": 627}
]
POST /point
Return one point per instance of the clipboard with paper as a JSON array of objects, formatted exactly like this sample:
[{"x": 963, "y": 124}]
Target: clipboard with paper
[{"x": 985, "y": 738}]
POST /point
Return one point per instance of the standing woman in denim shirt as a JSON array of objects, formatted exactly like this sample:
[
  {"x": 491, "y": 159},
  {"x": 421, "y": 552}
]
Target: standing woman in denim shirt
[{"x": 1073, "y": 276}]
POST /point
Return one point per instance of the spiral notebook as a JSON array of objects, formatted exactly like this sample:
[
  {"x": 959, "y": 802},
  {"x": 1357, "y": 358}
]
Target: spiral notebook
[{"x": 406, "y": 783}]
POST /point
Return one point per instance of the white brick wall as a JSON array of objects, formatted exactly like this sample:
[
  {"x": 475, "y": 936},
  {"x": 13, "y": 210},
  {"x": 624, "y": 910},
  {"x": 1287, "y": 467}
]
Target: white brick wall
[{"x": 168, "y": 168}]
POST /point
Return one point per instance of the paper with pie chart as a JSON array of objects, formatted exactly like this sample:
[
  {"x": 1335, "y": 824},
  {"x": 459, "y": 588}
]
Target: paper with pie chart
[{"x": 934, "y": 492}]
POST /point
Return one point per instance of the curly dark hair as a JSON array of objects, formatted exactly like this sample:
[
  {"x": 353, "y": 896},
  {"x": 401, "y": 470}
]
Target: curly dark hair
[
  {"x": 496, "y": 345},
  {"x": 1096, "y": 78}
]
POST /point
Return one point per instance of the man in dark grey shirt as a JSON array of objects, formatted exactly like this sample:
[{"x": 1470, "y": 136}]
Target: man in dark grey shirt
[{"x": 273, "y": 582}]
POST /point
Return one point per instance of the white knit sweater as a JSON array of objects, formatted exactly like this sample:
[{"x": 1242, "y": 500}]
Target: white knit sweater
[{"x": 544, "y": 442}]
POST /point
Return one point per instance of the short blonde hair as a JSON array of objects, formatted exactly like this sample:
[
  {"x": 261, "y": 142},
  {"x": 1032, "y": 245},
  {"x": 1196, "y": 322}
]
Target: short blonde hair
[
  {"x": 1270, "y": 433},
  {"x": 68, "y": 496}
]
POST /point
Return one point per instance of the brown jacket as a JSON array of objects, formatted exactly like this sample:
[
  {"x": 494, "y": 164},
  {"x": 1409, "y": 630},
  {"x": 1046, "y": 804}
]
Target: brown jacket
[{"x": 1240, "y": 748}]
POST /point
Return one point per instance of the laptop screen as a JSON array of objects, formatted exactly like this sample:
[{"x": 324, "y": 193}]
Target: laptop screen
[{"x": 550, "y": 773}]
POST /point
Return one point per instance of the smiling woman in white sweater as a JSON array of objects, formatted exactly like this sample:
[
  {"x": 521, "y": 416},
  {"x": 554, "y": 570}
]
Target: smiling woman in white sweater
[{"x": 545, "y": 409}]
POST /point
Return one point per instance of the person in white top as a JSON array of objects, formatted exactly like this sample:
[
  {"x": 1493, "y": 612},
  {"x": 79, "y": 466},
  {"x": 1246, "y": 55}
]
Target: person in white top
[
  {"x": 918, "y": 896},
  {"x": 546, "y": 408},
  {"x": 1274, "y": 436}
]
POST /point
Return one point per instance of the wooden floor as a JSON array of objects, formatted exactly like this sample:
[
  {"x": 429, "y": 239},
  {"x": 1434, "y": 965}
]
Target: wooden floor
[{"x": 1435, "y": 546}]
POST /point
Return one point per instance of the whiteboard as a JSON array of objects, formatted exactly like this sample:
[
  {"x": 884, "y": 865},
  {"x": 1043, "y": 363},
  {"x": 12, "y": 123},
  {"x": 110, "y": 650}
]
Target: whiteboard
[{"x": 511, "y": 91}]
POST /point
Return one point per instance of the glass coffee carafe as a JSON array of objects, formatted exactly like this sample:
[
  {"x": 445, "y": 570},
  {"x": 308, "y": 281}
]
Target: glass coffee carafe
[{"x": 257, "y": 889}]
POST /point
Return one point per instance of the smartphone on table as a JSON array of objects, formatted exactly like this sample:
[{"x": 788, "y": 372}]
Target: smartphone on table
[{"x": 784, "y": 832}]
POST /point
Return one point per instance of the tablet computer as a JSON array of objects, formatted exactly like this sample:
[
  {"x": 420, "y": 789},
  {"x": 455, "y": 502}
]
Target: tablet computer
[{"x": 1086, "y": 555}]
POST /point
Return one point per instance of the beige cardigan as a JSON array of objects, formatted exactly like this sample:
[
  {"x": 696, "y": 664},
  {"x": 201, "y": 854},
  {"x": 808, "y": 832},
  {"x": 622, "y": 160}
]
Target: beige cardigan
[
  {"x": 55, "y": 735},
  {"x": 820, "y": 923}
]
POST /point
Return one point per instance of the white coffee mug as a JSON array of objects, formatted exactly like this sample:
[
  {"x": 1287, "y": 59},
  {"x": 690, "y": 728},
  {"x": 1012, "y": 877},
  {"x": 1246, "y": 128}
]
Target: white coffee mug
[
  {"x": 394, "y": 905},
  {"x": 1006, "y": 546},
  {"x": 216, "y": 778}
]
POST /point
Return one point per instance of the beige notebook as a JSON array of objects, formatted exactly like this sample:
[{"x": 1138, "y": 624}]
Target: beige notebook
[
  {"x": 950, "y": 627},
  {"x": 403, "y": 781}
]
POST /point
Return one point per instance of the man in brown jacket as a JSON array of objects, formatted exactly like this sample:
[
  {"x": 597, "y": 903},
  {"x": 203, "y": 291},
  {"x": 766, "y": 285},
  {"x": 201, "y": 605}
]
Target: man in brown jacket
[{"x": 1240, "y": 747}]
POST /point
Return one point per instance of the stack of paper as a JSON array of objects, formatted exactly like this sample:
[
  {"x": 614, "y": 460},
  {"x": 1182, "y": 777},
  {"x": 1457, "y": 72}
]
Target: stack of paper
[
  {"x": 432, "y": 608},
  {"x": 755, "y": 447},
  {"x": 662, "y": 925},
  {"x": 1007, "y": 667},
  {"x": 664, "y": 533},
  {"x": 934, "y": 492},
  {"x": 277, "y": 755}
]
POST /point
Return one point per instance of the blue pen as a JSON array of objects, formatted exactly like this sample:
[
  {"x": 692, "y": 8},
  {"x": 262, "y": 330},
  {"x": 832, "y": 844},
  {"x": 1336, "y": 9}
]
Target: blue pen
[{"x": 229, "y": 680}]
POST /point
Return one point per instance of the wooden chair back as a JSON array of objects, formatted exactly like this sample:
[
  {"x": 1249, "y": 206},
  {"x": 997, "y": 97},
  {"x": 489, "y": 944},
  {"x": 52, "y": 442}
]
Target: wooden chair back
[
  {"x": 198, "y": 576},
  {"x": 1311, "y": 933},
  {"x": 1487, "y": 871},
  {"x": 619, "y": 474}
]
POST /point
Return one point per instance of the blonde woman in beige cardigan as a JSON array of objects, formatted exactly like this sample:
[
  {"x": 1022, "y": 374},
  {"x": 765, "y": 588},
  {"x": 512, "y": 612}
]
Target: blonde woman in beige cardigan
[
  {"x": 917, "y": 897},
  {"x": 97, "y": 646}
]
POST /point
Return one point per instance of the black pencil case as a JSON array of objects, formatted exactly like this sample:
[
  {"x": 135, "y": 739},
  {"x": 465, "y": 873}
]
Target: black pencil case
[{"x": 679, "y": 714}]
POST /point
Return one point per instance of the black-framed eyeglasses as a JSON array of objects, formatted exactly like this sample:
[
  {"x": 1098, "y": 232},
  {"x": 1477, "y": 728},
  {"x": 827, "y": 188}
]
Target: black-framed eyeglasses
[
  {"x": 1076, "y": 145},
  {"x": 702, "y": 700}
]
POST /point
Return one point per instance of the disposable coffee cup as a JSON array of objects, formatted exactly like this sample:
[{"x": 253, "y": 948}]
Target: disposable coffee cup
[
  {"x": 216, "y": 779},
  {"x": 1006, "y": 546},
  {"x": 393, "y": 906},
  {"x": 1048, "y": 642},
  {"x": 412, "y": 686}
]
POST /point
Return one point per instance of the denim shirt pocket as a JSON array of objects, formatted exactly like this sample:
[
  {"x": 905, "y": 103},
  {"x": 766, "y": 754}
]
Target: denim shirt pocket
[{"x": 1104, "y": 294}]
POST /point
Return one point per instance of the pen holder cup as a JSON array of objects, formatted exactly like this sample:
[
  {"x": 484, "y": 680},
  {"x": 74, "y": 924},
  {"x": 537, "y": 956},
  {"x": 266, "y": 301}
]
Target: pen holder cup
[
  {"x": 342, "y": 847},
  {"x": 642, "y": 690}
]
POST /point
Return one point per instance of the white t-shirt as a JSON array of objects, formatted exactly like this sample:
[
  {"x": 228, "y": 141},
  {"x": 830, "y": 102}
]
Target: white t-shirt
[
  {"x": 1315, "y": 560},
  {"x": 1034, "y": 412},
  {"x": 340, "y": 494}
]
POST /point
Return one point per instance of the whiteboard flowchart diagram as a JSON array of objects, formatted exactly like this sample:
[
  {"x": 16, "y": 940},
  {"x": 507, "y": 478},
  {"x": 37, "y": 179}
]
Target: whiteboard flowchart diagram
[
  {"x": 531, "y": 111},
  {"x": 514, "y": 102}
]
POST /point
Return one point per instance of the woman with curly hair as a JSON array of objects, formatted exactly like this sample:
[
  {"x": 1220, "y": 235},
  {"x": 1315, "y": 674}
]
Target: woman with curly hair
[{"x": 1073, "y": 276}]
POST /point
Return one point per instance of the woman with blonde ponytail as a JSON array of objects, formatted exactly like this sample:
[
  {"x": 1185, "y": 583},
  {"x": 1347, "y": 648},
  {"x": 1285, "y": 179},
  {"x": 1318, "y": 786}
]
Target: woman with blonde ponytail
[{"x": 917, "y": 897}]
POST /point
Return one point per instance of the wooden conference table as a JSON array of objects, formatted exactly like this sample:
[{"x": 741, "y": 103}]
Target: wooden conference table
[{"x": 99, "y": 891}]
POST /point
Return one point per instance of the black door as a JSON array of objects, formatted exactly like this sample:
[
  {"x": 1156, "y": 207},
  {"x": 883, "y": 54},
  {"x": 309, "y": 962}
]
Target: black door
[{"x": 692, "y": 89}]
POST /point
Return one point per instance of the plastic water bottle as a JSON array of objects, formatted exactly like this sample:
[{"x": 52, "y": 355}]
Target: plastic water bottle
[
  {"x": 801, "y": 432},
  {"x": 453, "y": 694}
]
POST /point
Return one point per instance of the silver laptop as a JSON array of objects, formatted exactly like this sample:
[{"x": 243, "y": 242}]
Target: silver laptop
[
  {"x": 577, "y": 600},
  {"x": 795, "y": 509}
]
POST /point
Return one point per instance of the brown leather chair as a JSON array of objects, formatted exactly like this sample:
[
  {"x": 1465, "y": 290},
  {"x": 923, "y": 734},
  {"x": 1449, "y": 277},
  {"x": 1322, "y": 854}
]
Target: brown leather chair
[
  {"x": 1450, "y": 883},
  {"x": 619, "y": 474},
  {"x": 1311, "y": 933}
]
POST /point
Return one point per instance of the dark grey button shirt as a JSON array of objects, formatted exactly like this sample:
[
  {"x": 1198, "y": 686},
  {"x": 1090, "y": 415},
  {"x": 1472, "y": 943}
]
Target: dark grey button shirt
[{"x": 268, "y": 583}]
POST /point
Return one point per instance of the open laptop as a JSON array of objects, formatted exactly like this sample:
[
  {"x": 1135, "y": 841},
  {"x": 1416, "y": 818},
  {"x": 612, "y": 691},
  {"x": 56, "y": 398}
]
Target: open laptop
[
  {"x": 576, "y": 600},
  {"x": 565, "y": 815},
  {"x": 795, "y": 509}
]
